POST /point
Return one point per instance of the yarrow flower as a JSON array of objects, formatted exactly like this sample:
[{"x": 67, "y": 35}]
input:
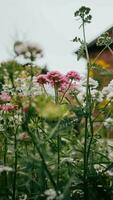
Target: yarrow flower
[
  {"x": 73, "y": 76},
  {"x": 5, "y": 97}
]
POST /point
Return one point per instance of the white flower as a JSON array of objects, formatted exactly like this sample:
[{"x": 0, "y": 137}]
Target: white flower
[
  {"x": 93, "y": 83},
  {"x": 108, "y": 91},
  {"x": 20, "y": 48},
  {"x": 5, "y": 168},
  {"x": 108, "y": 123},
  {"x": 51, "y": 194},
  {"x": 97, "y": 95}
]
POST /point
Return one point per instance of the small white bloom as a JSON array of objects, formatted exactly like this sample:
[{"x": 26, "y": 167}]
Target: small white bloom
[
  {"x": 51, "y": 194},
  {"x": 5, "y": 168},
  {"x": 108, "y": 123},
  {"x": 93, "y": 83},
  {"x": 20, "y": 48}
]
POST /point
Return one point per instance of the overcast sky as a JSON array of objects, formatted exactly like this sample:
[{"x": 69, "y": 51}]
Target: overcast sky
[{"x": 51, "y": 23}]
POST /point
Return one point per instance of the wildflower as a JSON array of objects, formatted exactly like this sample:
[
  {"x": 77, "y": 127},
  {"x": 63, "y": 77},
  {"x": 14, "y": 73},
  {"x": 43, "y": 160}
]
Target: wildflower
[
  {"x": 34, "y": 49},
  {"x": 108, "y": 123},
  {"x": 51, "y": 194},
  {"x": 56, "y": 78},
  {"x": 73, "y": 76},
  {"x": 108, "y": 91},
  {"x": 28, "y": 50},
  {"x": 64, "y": 84},
  {"x": 42, "y": 79},
  {"x": 93, "y": 83},
  {"x": 8, "y": 107},
  {"x": 5, "y": 97},
  {"x": 20, "y": 48},
  {"x": 5, "y": 168}
]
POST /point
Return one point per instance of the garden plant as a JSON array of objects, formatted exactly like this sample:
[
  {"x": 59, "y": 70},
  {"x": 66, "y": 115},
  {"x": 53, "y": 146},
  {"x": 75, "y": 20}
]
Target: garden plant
[{"x": 56, "y": 129}]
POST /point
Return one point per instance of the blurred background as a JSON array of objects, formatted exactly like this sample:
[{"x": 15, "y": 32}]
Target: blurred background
[{"x": 51, "y": 24}]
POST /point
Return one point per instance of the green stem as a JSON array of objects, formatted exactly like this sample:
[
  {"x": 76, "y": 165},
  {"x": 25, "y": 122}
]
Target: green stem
[
  {"x": 58, "y": 160},
  {"x": 91, "y": 129},
  {"x": 42, "y": 158},
  {"x": 58, "y": 144},
  {"x": 56, "y": 94},
  {"x": 86, "y": 120},
  {"x": 65, "y": 91},
  {"x": 15, "y": 166},
  {"x": 5, "y": 163}
]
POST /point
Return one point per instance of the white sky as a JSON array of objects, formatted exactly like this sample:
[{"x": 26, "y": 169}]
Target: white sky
[{"x": 51, "y": 23}]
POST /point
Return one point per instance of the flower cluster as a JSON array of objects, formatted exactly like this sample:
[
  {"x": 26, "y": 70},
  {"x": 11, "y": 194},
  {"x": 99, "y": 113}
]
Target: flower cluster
[
  {"x": 28, "y": 50},
  {"x": 108, "y": 91},
  {"x": 5, "y": 97},
  {"x": 73, "y": 76},
  {"x": 8, "y": 107},
  {"x": 95, "y": 93},
  {"x": 56, "y": 79},
  {"x": 108, "y": 123}
]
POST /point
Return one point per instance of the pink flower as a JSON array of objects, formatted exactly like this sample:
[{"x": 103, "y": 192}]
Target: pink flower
[
  {"x": 42, "y": 79},
  {"x": 8, "y": 107},
  {"x": 55, "y": 78},
  {"x": 64, "y": 84},
  {"x": 5, "y": 97},
  {"x": 73, "y": 75}
]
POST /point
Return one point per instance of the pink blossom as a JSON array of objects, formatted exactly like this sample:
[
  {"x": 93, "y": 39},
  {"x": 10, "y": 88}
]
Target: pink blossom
[
  {"x": 55, "y": 78},
  {"x": 5, "y": 97},
  {"x": 42, "y": 79},
  {"x": 64, "y": 84},
  {"x": 8, "y": 107},
  {"x": 73, "y": 75}
]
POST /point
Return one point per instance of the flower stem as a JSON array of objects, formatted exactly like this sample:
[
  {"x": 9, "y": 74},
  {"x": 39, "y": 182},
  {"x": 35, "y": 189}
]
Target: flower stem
[
  {"x": 15, "y": 166},
  {"x": 86, "y": 119}
]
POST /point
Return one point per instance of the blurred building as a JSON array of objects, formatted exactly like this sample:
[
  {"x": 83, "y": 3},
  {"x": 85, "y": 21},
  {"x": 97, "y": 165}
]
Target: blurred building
[{"x": 103, "y": 62}]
